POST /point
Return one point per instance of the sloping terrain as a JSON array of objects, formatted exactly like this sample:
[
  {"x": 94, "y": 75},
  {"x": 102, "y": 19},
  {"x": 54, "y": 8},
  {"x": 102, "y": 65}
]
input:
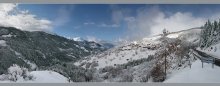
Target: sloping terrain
[
  {"x": 151, "y": 59},
  {"x": 164, "y": 57},
  {"x": 42, "y": 77},
  {"x": 196, "y": 74},
  {"x": 40, "y": 50}
]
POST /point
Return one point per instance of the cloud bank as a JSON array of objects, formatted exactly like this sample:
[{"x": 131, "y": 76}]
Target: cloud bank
[
  {"x": 11, "y": 16},
  {"x": 151, "y": 21}
]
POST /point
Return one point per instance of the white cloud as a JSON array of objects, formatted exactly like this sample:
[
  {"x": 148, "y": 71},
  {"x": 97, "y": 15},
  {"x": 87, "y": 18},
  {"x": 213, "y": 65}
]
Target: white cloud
[
  {"x": 89, "y": 23},
  {"x": 215, "y": 16},
  {"x": 109, "y": 25},
  {"x": 176, "y": 22},
  {"x": 63, "y": 15},
  {"x": 118, "y": 14},
  {"x": 151, "y": 21},
  {"x": 11, "y": 16}
]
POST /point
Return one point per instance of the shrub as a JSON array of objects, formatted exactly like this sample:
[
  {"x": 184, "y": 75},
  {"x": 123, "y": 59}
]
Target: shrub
[
  {"x": 15, "y": 72},
  {"x": 127, "y": 77},
  {"x": 158, "y": 74}
]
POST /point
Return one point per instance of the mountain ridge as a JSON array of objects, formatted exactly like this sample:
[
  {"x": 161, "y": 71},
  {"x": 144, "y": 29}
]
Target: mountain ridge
[{"x": 40, "y": 48}]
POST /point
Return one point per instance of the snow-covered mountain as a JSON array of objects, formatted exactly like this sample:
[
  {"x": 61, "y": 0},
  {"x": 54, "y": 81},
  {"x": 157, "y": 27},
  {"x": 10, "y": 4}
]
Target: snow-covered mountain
[
  {"x": 40, "y": 50},
  {"x": 164, "y": 57},
  {"x": 105, "y": 44},
  {"x": 78, "y": 39},
  {"x": 144, "y": 59},
  {"x": 139, "y": 49}
]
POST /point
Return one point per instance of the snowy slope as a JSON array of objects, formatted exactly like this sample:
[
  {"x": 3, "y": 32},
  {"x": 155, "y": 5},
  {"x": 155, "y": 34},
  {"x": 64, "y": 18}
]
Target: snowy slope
[
  {"x": 190, "y": 35},
  {"x": 136, "y": 60},
  {"x": 2, "y": 43},
  {"x": 122, "y": 54},
  {"x": 136, "y": 50},
  {"x": 40, "y": 50},
  {"x": 212, "y": 50},
  {"x": 42, "y": 77},
  {"x": 196, "y": 74},
  {"x": 78, "y": 39},
  {"x": 48, "y": 77}
]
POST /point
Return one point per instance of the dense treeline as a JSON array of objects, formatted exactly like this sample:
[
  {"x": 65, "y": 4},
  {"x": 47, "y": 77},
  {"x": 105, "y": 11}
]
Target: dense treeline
[{"x": 210, "y": 34}]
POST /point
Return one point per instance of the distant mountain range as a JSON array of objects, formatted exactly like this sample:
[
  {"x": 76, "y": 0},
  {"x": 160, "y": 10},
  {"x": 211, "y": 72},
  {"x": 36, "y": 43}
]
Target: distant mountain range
[{"x": 104, "y": 44}]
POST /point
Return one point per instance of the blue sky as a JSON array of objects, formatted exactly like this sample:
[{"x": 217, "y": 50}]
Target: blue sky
[{"x": 114, "y": 22}]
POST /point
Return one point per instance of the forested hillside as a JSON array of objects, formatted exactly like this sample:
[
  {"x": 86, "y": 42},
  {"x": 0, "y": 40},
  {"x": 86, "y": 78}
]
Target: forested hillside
[{"x": 210, "y": 34}]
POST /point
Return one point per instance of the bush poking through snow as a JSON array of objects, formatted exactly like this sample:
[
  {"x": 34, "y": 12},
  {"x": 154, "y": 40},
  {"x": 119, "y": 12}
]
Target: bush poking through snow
[
  {"x": 127, "y": 77},
  {"x": 15, "y": 72},
  {"x": 158, "y": 74},
  {"x": 3, "y": 77}
]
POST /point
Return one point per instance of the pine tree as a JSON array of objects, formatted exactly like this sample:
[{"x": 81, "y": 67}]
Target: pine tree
[
  {"x": 210, "y": 34},
  {"x": 214, "y": 34},
  {"x": 218, "y": 31},
  {"x": 202, "y": 39}
]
